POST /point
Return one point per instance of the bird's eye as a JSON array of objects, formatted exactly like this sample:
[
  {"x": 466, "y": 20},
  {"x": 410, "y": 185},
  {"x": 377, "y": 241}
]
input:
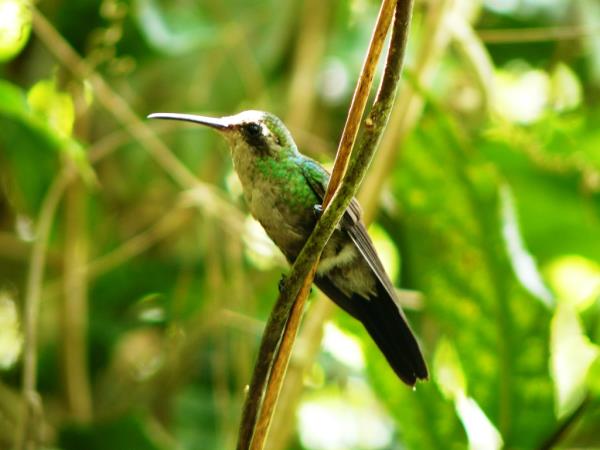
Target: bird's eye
[{"x": 253, "y": 129}]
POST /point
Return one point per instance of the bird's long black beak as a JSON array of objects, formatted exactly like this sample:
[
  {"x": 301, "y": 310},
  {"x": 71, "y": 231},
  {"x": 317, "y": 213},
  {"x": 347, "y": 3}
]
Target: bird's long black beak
[{"x": 213, "y": 122}]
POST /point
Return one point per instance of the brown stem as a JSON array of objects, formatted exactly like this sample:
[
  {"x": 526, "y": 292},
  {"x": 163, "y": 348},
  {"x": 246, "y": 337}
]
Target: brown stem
[
  {"x": 279, "y": 366},
  {"x": 309, "y": 341},
  {"x": 286, "y": 312},
  {"x": 172, "y": 220},
  {"x": 75, "y": 307},
  {"x": 360, "y": 98},
  {"x": 410, "y": 104}
]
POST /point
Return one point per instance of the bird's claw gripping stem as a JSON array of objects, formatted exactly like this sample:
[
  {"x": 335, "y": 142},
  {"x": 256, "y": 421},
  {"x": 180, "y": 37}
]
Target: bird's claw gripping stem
[
  {"x": 318, "y": 210},
  {"x": 282, "y": 281}
]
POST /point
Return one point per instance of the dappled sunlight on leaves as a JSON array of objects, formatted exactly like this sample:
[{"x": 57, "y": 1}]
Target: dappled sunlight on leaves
[
  {"x": 572, "y": 357},
  {"x": 342, "y": 346},
  {"x": 154, "y": 292},
  {"x": 348, "y": 419},
  {"x": 524, "y": 265},
  {"x": 521, "y": 93},
  {"x": 575, "y": 279},
  {"x": 471, "y": 293}
]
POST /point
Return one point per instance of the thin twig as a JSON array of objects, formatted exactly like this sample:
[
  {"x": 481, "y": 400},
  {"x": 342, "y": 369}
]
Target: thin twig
[
  {"x": 170, "y": 221},
  {"x": 298, "y": 282},
  {"x": 536, "y": 34},
  {"x": 409, "y": 106},
  {"x": 27, "y": 433},
  {"x": 74, "y": 304},
  {"x": 280, "y": 363},
  {"x": 306, "y": 348},
  {"x": 374, "y": 127},
  {"x": 120, "y": 110},
  {"x": 360, "y": 98},
  {"x": 110, "y": 100},
  {"x": 379, "y": 116}
]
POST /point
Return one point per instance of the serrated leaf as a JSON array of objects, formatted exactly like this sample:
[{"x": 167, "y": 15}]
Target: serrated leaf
[{"x": 454, "y": 252}]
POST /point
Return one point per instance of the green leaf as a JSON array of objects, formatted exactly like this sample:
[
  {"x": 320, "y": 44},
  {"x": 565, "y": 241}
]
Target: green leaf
[
  {"x": 453, "y": 251},
  {"x": 575, "y": 279},
  {"x": 572, "y": 356},
  {"x": 424, "y": 417},
  {"x": 557, "y": 160},
  {"x": 36, "y": 129},
  {"x": 52, "y": 106},
  {"x": 450, "y": 378},
  {"x": 448, "y": 373},
  {"x": 12, "y": 100}
]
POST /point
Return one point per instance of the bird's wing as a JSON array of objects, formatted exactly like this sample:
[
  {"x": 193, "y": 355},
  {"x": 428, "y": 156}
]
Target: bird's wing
[
  {"x": 351, "y": 222},
  {"x": 382, "y": 316}
]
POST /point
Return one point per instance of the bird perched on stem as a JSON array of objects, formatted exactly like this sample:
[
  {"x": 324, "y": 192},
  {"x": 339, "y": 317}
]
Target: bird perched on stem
[{"x": 284, "y": 190}]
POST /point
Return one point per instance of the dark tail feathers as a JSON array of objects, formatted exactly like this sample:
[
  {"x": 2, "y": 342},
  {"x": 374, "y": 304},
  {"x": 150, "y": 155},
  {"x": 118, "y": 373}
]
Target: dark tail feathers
[{"x": 388, "y": 328}]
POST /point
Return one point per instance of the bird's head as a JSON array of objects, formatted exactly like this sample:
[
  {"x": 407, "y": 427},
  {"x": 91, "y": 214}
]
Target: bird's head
[{"x": 250, "y": 134}]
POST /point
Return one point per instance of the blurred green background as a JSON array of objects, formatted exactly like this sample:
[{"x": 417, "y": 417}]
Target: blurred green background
[{"x": 154, "y": 283}]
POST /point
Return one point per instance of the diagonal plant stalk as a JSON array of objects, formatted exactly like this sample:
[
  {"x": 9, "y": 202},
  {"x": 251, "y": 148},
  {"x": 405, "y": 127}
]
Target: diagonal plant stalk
[
  {"x": 403, "y": 120},
  {"x": 28, "y": 429},
  {"x": 410, "y": 104},
  {"x": 374, "y": 127},
  {"x": 285, "y": 318},
  {"x": 115, "y": 105},
  {"x": 74, "y": 313}
]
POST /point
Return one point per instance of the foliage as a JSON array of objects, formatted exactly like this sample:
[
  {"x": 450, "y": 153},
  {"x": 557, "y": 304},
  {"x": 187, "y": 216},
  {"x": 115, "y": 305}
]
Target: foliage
[{"x": 155, "y": 289}]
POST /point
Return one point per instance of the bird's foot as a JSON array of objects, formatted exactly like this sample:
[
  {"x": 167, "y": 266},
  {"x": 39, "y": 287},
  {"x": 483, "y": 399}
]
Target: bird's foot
[
  {"x": 318, "y": 210},
  {"x": 282, "y": 281}
]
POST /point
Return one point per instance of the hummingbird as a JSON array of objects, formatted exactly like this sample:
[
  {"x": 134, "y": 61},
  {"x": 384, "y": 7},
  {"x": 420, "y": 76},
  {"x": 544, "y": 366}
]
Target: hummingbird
[{"x": 284, "y": 190}]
